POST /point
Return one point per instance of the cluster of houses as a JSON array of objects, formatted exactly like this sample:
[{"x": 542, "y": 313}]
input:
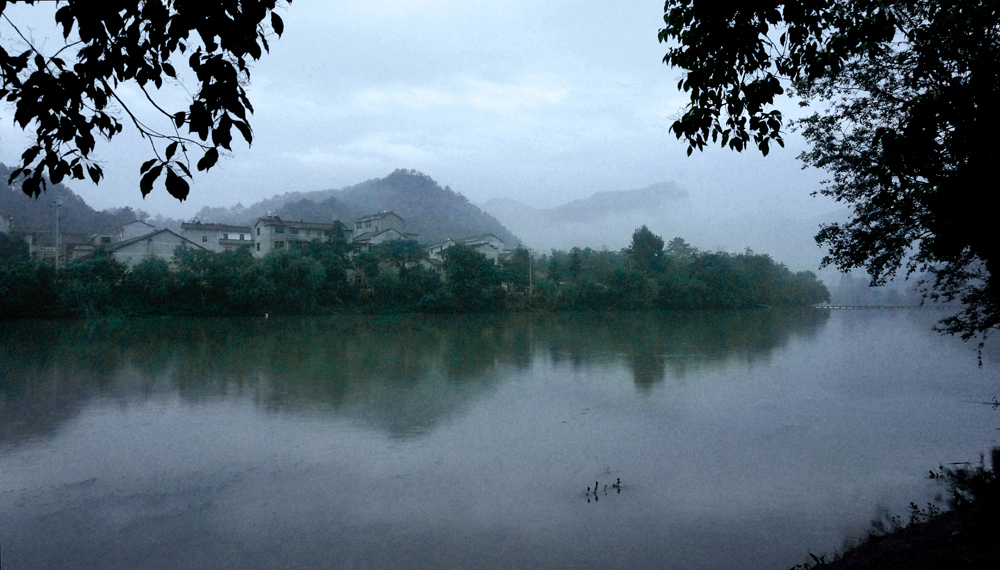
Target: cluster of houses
[{"x": 138, "y": 240}]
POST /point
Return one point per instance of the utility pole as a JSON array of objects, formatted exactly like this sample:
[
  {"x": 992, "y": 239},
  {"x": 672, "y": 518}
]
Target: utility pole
[
  {"x": 531, "y": 288},
  {"x": 58, "y": 235}
]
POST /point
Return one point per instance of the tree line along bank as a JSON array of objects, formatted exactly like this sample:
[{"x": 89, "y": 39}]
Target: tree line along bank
[{"x": 329, "y": 277}]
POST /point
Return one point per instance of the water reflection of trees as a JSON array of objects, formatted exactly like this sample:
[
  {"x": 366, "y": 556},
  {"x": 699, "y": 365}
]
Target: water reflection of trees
[
  {"x": 658, "y": 345},
  {"x": 404, "y": 375}
]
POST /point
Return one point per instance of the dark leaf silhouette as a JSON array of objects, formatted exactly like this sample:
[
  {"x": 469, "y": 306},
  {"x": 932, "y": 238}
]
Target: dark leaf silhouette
[
  {"x": 67, "y": 102},
  {"x": 907, "y": 131}
]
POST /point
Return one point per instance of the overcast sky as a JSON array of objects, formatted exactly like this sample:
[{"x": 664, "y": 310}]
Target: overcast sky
[{"x": 544, "y": 102}]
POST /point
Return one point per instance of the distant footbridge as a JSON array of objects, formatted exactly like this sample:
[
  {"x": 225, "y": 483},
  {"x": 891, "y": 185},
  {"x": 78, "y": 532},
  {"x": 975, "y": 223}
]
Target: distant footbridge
[{"x": 881, "y": 307}]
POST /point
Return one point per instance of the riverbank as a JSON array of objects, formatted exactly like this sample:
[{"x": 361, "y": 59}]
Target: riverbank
[
  {"x": 964, "y": 537},
  {"x": 320, "y": 279}
]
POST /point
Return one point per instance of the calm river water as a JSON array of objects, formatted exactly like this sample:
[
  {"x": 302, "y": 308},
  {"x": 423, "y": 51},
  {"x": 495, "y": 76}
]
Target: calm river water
[{"x": 741, "y": 440}]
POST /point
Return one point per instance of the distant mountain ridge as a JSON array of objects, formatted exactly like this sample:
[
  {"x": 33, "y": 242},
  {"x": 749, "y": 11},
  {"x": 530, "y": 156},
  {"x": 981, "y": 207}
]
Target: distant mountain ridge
[
  {"x": 603, "y": 204},
  {"x": 603, "y": 219},
  {"x": 607, "y": 219},
  {"x": 433, "y": 212},
  {"x": 594, "y": 208},
  {"x": 240, "y": 214}
]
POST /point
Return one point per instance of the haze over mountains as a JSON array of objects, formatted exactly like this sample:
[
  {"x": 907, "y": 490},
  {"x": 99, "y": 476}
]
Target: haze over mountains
[{"x": 605, "y": 219}]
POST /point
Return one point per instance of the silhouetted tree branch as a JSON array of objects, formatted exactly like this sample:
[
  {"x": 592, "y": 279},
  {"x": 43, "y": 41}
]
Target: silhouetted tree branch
[
  {"x": 69, "y": 102},
  {"x": 906, "y": 126}
]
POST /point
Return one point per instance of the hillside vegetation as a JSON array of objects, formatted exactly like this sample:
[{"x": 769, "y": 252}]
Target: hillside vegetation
[
  {"x": 433, "y": 212},
  {"x": 75, "y": 216}
]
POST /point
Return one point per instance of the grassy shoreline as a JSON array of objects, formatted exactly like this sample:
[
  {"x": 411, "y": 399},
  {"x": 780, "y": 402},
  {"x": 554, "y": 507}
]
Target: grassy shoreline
[{"x": 965, "y": 536}]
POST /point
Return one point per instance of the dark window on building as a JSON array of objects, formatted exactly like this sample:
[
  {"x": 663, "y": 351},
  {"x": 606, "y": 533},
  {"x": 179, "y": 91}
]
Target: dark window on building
[
  {"x": 258, "y": 247},
  {"x": 279, "y": 230},
  {"x": 279, "y": 245},
  {"x": 258, "y": 231},
  {"x": 295, "y": 231},
  {"x": 204, "y": 239}
]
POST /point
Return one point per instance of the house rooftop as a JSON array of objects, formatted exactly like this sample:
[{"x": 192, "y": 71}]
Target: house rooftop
[
  {"x": 479, "y": 237},
  {"x": 366, "y": 236},
  {"x": 276, "y": 221},
  {"x": 379, "y": 216},
  {"x": 214, "y": 227},
  {"x": 121, "y": 244}
]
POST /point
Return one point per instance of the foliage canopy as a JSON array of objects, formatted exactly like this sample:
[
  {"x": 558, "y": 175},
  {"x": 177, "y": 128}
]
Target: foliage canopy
[
  {"x": 646, "y": 250},
  {"x": 907, "y": 93},
  {"x": 69, "y": 98},
  {"x": 330, "y": 277}
]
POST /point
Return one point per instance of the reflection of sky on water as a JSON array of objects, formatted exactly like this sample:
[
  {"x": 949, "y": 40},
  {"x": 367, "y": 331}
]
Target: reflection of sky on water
[{"x": 755, "y": 444}]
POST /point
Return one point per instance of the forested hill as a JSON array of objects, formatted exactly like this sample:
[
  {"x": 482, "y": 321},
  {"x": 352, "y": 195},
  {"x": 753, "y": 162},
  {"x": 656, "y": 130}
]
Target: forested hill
[
  {"x": 39, "y": 214},
  {"x": 433, "y": 212}
]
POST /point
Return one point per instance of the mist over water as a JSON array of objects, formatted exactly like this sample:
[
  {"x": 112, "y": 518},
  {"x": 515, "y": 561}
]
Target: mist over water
[{"x": 743, "y": 439}]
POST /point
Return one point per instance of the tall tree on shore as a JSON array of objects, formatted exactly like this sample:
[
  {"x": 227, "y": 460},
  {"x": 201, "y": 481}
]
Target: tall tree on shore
[
  {"x": 472, "y": 280},
  {"x": 646, "y": 251},
  {"x": 907, "y": 93}
]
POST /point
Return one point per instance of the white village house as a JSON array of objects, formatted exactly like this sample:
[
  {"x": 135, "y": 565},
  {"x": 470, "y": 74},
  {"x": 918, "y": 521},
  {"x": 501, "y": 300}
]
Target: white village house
[
  {"x": 374, "y": 229},
  {"x": 139, "y": 240},
  {"x": 218, "y": 237},
  {"x": 134, "y": 229},
  {"x": 487, "y": 244},
  {"x": 157, "y": 244},
  {"x": 271, "y": 233}
]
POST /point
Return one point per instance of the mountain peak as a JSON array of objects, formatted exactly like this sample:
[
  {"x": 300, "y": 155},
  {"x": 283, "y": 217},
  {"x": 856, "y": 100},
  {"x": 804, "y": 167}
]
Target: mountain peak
[{"x": 431, "y": 211}]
